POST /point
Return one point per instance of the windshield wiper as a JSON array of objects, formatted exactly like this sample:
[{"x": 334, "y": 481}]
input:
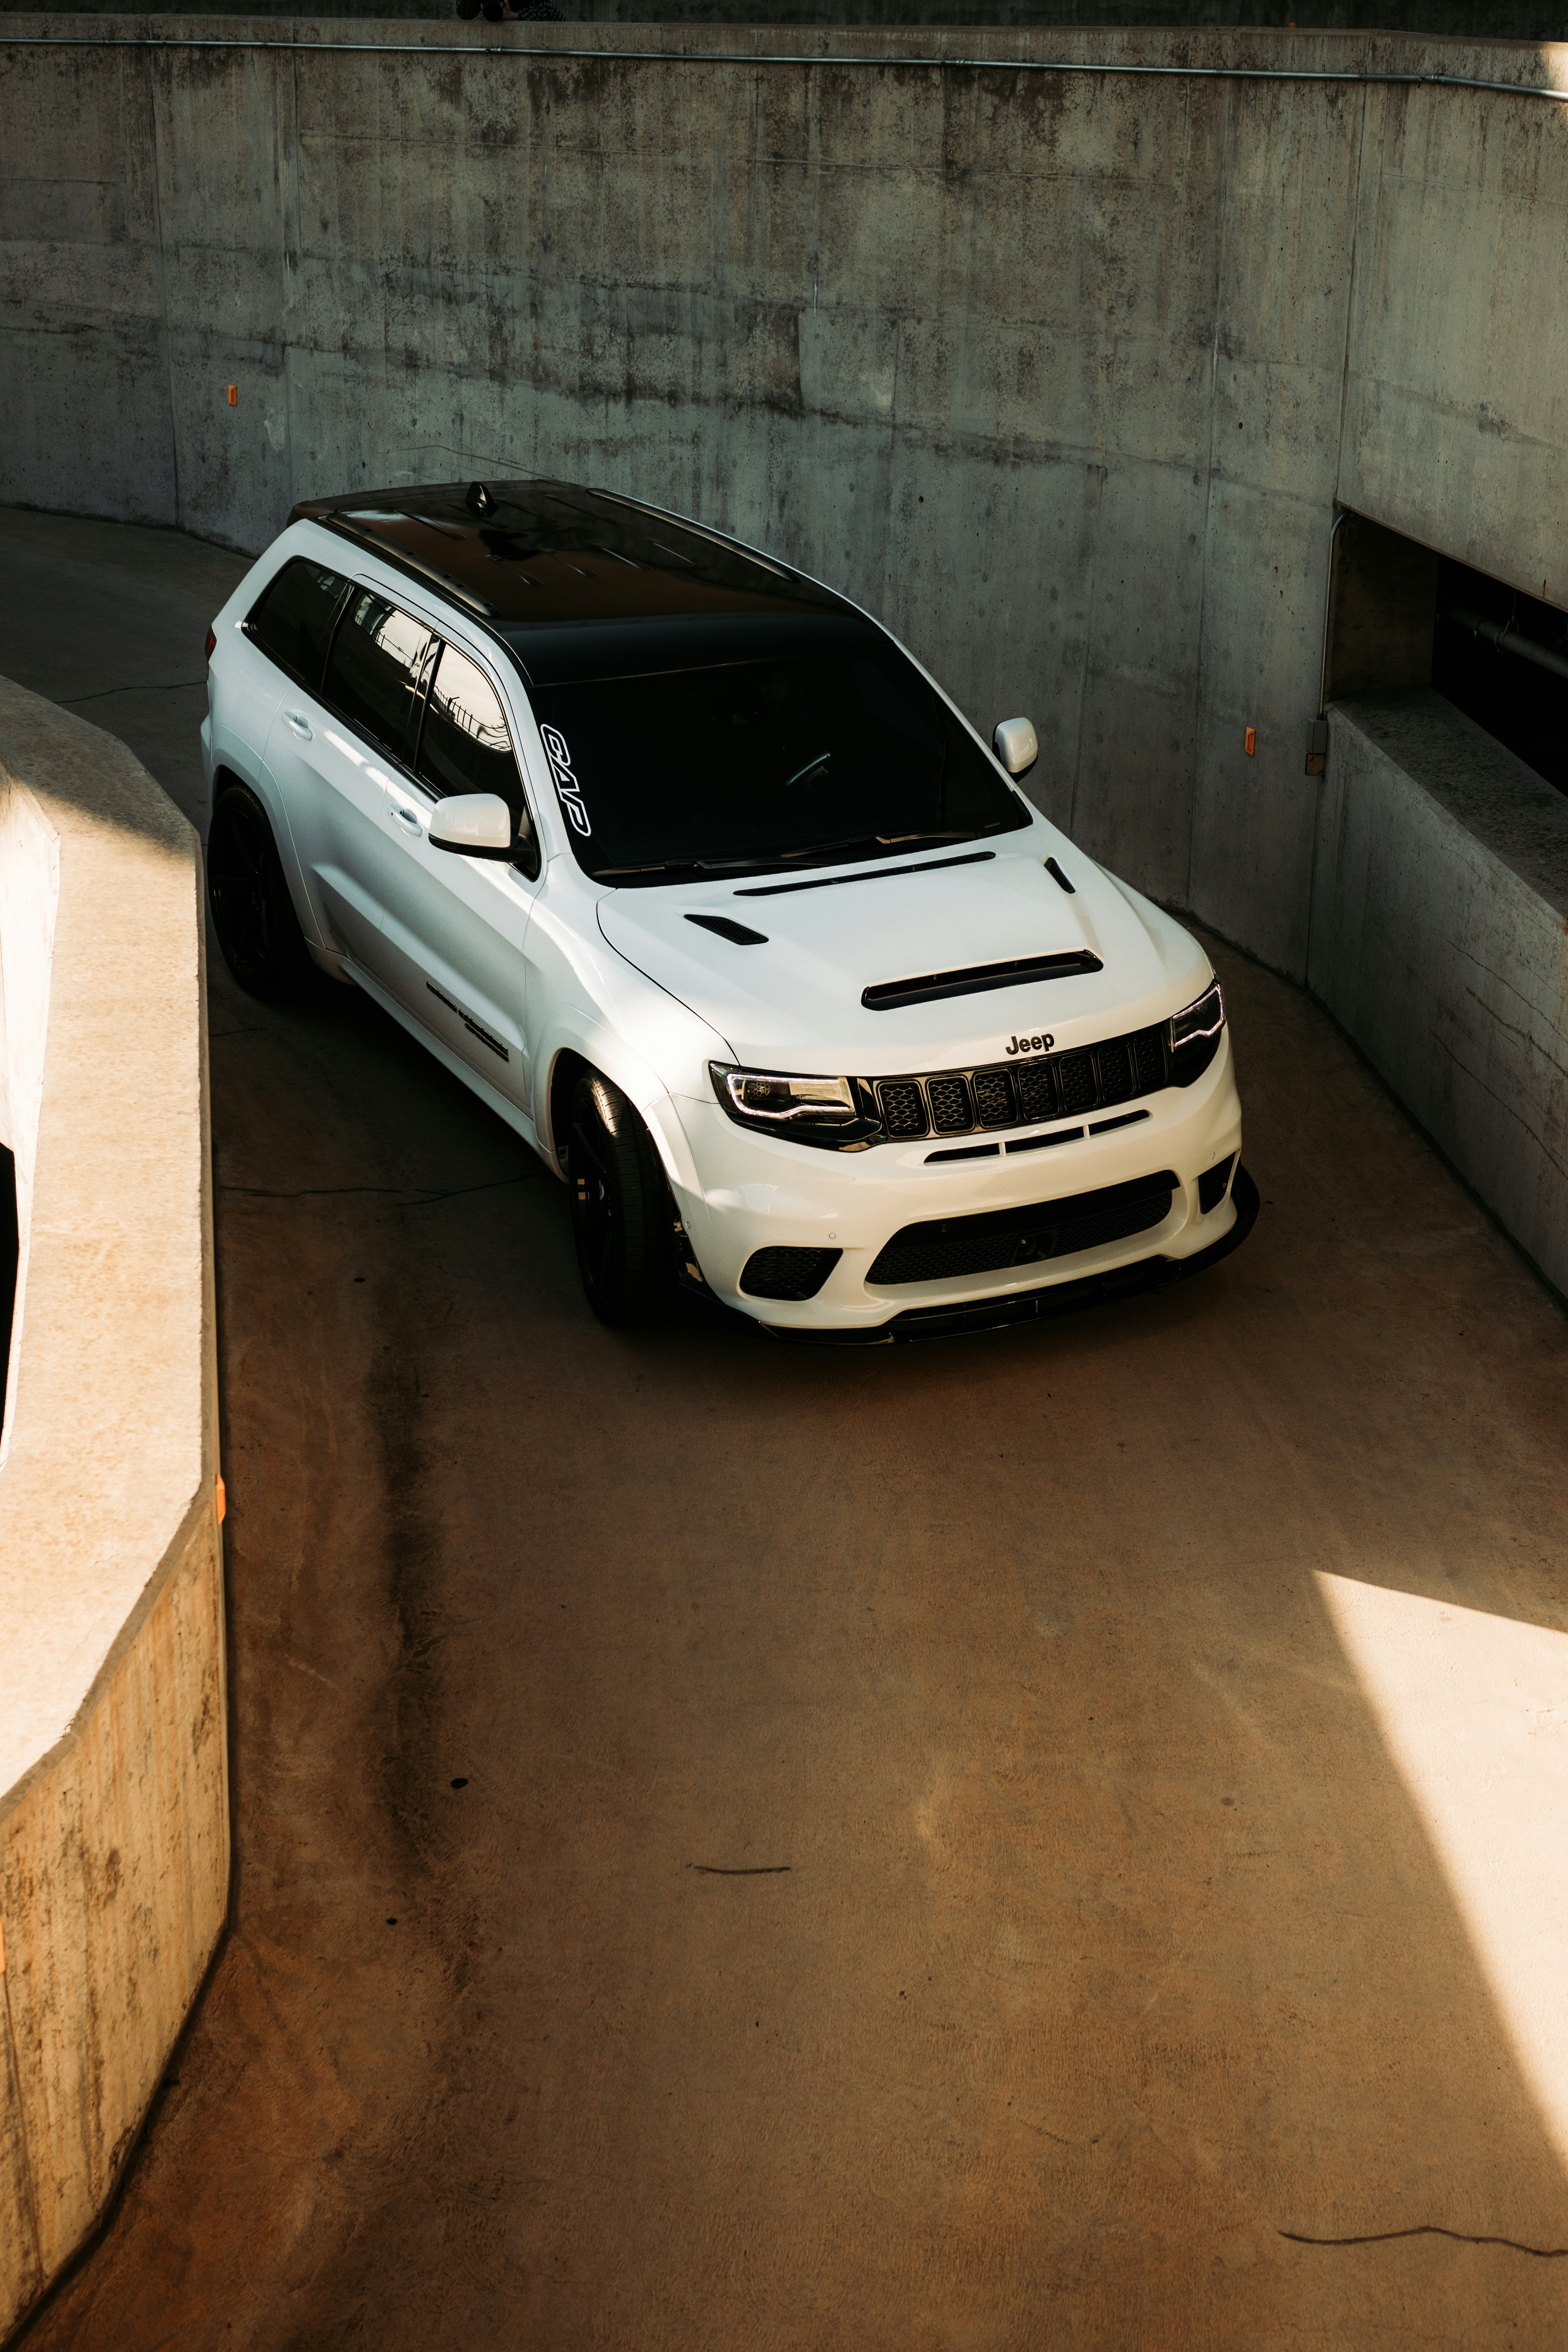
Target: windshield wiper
[
  {"x": 869, "y": 841},
  {"x": 666, "y": 865},
  {"x": 770, "y": 861},
  {"x": 691, "y": 865}
]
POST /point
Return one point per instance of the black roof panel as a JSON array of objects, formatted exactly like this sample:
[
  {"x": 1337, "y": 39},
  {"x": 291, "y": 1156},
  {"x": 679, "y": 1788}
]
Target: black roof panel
[{"x": 542, "y": 559}]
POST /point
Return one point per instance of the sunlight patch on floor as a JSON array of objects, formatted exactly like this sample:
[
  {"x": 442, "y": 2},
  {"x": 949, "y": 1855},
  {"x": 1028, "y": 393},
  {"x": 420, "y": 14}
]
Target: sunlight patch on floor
[{"x": 1474, "y": 1712}]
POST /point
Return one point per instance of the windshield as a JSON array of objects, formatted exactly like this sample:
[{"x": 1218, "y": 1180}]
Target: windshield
[{"x": 820, "y": 753}]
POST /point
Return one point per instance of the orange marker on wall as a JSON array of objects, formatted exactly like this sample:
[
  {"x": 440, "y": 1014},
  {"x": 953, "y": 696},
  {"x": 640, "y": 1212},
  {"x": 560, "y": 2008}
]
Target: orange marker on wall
[
  {"x": 1252, "y": 742},
  {"x": 234, "y": 395}
]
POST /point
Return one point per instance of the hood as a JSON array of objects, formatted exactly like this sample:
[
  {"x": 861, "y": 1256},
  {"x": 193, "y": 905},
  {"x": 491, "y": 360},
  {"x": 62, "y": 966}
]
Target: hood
[{"x": 792, "y": 1002}]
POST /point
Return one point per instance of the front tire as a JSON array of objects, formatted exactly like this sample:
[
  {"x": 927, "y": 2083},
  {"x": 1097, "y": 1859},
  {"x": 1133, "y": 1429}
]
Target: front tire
[
  {"x": 253, "y": 914},
  {"x": 622, "y": 1220}
]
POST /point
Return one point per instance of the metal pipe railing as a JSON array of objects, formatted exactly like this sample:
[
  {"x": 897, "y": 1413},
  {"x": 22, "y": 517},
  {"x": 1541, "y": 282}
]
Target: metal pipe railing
[
  {"x": 1506, "y": 639},
  {"x": 1339, "y": 74}
]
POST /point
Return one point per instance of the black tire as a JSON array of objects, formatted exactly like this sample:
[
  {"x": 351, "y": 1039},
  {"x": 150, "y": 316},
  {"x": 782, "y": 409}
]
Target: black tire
[
  {"x": 622, "y": 1218},
  {"x": 253, "y": 914}
]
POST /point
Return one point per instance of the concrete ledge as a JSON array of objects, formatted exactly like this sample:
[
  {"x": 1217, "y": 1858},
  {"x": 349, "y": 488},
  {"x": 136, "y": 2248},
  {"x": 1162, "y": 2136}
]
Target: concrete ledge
[
  {"x": 113, "y": 1772},
  {"x": 1439, "y": 906}
]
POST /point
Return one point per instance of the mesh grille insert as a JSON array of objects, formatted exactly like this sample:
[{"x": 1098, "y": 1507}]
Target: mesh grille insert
[
  {"x": 1075, "y": 1075},
  {"x": 1038, "y": 1096},
  {"x": 903, "y": 1107},
  {"x": 993, "y": 1098},
  {"x": 781, "y": 1273},
  {"x": 1116, "y": 1084},
  {"x": 950, "y": 1108}
]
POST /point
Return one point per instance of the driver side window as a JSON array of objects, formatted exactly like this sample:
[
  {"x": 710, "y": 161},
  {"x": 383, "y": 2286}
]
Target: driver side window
[{"x": 464, "y": 746}]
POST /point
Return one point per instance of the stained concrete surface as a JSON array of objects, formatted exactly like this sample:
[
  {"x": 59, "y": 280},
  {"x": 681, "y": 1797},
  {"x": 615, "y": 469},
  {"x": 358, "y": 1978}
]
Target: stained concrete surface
[
  {"x": 1064, "y": 375},
  {"x": 1101, "y": 1942}
]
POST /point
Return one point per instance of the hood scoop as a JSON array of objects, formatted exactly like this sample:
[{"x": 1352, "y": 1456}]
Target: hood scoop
[{"x": 976, "y": 978}]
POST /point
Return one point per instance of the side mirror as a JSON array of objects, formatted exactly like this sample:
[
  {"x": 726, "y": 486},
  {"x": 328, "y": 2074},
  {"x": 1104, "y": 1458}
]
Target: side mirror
[
  {"x": 1017, "y": 745},
  {"x": 473, "y": 825}
]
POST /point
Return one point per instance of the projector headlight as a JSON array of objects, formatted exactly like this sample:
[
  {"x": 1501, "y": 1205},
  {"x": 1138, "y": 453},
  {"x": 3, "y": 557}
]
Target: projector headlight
[
  {"x": 1204, "y": 1017},
  {"x": 1195, "y": 1033},
  {"x": 823, "y": 1111}
]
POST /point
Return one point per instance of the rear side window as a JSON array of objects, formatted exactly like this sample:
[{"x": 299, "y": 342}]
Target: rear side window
[
  {"x": 293, "y": 622},
  {"x": 373, "y": 675},
  {"x": 464, "y": 746}
]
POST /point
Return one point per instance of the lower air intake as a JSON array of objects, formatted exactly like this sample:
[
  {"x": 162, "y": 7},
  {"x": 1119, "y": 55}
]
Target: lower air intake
[
  {"x": 787, "y": 1273},
  {"x": 943, "y": 1248}
]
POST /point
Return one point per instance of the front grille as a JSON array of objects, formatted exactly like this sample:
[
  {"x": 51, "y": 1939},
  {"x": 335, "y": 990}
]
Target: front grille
[
  {"x": 1027, "y": 1093},
  {"x": 781, "y": 1273},
  {"x": 943, "y": 1248}
]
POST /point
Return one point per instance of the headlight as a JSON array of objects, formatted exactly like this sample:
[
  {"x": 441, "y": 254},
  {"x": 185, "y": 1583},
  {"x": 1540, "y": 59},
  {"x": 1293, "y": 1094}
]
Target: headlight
[
  {"x": 1204, "y": 1017},
  {"x": 1195, "y": 1034},
  {"x": 809, "y": 1110}
]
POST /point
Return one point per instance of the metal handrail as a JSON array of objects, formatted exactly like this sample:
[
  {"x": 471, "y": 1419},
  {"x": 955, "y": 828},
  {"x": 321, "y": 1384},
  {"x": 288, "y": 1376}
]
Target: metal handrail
[
  {"x": 1506, "y": 639},
  {"x": 1348, "y": 74}
]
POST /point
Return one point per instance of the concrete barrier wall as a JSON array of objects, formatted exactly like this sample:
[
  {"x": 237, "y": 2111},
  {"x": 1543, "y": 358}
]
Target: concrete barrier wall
[
  {"x": 113, "y": 1776},
  {"x": 1439, "y": 939},
  {"x": 1487, "y": 20},
  {"x": 1062, "y": 375}
]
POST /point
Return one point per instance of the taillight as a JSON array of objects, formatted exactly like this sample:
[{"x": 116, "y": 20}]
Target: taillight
[{"x": 212, "y": 641}]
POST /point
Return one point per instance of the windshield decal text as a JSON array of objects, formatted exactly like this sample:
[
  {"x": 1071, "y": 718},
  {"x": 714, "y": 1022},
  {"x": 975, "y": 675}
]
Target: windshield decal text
[{"x": 566, "y": 783}]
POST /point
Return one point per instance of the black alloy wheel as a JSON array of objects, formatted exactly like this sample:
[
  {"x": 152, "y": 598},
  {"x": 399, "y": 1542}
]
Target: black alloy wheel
[
  {"x": 623, "y": 1219},
  {"x": 252, "y": 912}
]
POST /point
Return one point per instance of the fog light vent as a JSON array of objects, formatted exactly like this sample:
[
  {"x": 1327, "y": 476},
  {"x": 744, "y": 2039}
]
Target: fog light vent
[
  {"x": 1213, "y": 1185},
  {"x": 788, "y": 1273}
]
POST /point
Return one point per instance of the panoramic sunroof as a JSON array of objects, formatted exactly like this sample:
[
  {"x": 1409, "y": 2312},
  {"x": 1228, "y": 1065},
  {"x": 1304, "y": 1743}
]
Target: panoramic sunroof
[{"x": 524, "y": 553}]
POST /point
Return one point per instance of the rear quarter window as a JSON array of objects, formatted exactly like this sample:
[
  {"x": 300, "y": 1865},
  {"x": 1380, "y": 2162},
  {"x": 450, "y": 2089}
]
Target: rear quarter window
[
  {"x": 376, "y": 670},
  {"x": 293, "y": 622}
]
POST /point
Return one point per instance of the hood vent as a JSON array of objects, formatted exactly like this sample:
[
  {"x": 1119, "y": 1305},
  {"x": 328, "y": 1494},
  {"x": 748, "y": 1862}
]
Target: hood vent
[
  {"x": 976, "y": 978},
  {"x": 728, "y": 929}
]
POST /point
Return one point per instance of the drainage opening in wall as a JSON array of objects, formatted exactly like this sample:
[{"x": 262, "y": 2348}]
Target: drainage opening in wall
[{"x": 1404, "y": 614}]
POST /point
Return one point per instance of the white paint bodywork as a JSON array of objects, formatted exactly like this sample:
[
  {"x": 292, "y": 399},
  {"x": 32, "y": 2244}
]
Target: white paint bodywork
[{"x": 470, "y": 956}]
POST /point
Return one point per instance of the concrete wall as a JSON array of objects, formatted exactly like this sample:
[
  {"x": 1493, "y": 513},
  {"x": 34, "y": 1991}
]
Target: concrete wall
[
  {"x": 113, "y": 1777},
  {"x": 1061, "y": 375},
  {"x": 1487, "y": 20},
  {"x": 1440, "y": 940}
]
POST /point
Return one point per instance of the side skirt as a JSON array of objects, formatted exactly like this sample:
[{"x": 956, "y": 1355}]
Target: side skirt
[{"x": 491, "y": 1097}]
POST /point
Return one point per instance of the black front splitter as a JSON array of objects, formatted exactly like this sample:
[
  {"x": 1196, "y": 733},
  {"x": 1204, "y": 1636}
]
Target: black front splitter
[{"x": 1035, "y": 1305}]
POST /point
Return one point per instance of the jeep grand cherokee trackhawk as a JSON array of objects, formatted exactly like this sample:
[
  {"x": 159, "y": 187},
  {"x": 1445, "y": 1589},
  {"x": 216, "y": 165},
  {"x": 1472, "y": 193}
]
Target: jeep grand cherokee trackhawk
[{"x": 703, "y": 885}]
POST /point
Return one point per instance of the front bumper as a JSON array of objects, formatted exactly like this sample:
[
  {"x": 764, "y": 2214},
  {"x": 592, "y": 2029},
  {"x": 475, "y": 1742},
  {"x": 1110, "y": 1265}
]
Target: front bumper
[{"x": 758, "y": 1191}]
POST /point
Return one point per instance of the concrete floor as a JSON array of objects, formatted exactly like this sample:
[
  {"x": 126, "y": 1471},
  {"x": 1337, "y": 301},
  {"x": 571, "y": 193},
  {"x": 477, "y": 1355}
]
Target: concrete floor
[{"x": 1113, "y": 1937}]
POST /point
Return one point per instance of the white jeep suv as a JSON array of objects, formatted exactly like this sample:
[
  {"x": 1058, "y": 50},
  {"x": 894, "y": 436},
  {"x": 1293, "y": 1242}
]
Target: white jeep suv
[{"x": 703, "y": 883}]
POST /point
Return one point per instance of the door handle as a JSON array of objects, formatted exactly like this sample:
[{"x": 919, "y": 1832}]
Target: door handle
[
  {"x": 406, "y": 815},
  {"x": 299, "y": 723}
]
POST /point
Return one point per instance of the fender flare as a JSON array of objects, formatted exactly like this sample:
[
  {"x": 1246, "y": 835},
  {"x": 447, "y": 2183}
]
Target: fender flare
[{"x": 593, "y": 1045}]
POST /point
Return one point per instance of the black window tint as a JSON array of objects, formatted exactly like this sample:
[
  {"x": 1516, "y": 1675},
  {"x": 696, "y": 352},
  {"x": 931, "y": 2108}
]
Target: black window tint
[
  {"x": 372, "y": 677},
  {"x": 465, "y": 747},
  {"x": 840, "y": 749},
  {"x": 293, "y": 621}
]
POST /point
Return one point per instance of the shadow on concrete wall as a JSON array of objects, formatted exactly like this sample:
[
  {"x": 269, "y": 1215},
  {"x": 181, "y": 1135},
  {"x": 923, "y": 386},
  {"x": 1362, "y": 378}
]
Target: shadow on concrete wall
[{"x": 8, "y": 1239}]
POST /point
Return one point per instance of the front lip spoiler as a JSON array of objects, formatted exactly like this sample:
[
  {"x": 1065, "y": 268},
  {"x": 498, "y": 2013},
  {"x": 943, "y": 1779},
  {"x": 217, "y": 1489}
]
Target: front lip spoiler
[{"x": 1034, "y": 1305}]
